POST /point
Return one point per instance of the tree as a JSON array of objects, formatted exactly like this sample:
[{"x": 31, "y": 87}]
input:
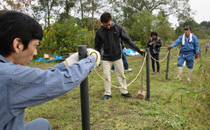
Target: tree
[
  {"x": 88, "y": 9},
  {"x": 144, "y": 23},
  {"x": 163, "y": 27},
  {"x": 18, "y": 5},
  {"x": 169, "y": 7},
  {"x": 46, "y": 8},
  {"x": 92, "y": 6},
  {"x": 66, "y": 5},
  {"x": 141, "y": 27}
]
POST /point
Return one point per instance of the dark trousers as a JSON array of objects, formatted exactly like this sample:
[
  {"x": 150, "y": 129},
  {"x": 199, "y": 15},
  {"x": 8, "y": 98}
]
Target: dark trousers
[{"x": 156, "y": 56}]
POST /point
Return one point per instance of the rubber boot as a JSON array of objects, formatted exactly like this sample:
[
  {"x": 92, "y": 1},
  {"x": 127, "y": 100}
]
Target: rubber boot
[
  {"x": 179, "y": 73},
  {"x": 189, "y": 74}
]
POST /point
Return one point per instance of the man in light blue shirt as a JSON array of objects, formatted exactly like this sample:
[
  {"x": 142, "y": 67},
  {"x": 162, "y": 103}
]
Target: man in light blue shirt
[
  {"x": 22, "y": 86},
  {"x": 188, "y": 52}
]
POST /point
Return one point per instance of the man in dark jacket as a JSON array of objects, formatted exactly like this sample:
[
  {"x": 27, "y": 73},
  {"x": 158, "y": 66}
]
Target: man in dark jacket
[
  {"x": 154, "y": 45},
  {"x": 108, "y": 43}
]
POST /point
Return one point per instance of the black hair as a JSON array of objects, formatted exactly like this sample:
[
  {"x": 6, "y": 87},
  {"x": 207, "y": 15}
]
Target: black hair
[
  {"x": 106, "y": 17},
  {"x": 15, "y": 24},
  {"x": 154, "y": 33}
]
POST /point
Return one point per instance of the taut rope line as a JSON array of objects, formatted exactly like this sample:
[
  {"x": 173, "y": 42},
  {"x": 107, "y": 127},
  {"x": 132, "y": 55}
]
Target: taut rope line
[
  {"x": 130, "y": 82},
  {"x": 163, "y": 58},
  {"x": 159, "y": 60}
]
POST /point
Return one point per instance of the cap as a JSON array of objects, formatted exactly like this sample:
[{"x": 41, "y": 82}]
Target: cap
[{"x": 187, "y": 27}]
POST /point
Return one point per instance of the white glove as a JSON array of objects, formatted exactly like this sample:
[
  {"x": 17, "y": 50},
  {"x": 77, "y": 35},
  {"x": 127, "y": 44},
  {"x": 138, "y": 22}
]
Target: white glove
[{"x": 75, "y": 57}]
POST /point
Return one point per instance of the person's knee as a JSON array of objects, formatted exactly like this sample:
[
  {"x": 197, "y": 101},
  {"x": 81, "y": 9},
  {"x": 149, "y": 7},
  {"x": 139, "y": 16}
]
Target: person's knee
[
  {"x": 190, "y": 63},
  {"x": 179, "y": 64},
  {"x": 38, "y": 124},
  {"x": 44, "y": 121},
  {"x": 190, "y": 66}
]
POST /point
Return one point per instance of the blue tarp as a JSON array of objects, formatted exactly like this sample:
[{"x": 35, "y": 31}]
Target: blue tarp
[
  {"x": 130, "y": 52},
  {"x": 54, "y": 60}
]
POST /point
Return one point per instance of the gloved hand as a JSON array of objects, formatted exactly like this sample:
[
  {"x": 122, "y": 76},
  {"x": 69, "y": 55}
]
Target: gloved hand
[
  {"x": 170, "y": 47},
  {"x": 98, "y": 56},
  {"x": 142, "y": 52},
  {"x": 75, "y": 57},
  {"x": 196, "y": 56}
]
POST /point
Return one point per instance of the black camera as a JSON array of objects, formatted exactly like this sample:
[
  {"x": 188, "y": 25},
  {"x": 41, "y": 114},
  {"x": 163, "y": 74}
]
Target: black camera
[{"x": 153, "y": 43}]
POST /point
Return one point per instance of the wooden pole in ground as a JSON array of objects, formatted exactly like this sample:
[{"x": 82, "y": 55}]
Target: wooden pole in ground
[
  {"x": 167, "y": 67},
  {"x": 84, "y": 93},
  {"x": 200, "y": 54},
  {"x": 148, "y": 74}
]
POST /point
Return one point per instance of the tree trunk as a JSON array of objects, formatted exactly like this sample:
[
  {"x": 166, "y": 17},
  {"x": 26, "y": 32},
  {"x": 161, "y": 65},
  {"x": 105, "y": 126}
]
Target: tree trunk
[
  {"x": 67, "y": 8},
  {"x": 48, "y": 14},
  {"x": 93, "y": 11},
  {"x": 82, "y": 12}
]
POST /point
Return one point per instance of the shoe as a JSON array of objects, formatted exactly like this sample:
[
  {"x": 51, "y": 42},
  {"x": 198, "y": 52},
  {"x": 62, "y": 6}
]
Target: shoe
[
  {"x": 112, "y": 70},
  {"x": 158, "y": 73},
  {"x": 153, "y": 73},
  {"x": 128, "y": 70},
  {"x": 128, "y": 95},
  {"x": 106, "y": 97}
]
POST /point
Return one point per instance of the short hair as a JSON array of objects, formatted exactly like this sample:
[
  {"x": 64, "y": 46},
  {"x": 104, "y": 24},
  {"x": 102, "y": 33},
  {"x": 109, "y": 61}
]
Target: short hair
[
  {"x": 15, "y": 24},
  {"x": 106, "y": 17},
  {"x": 154, "y": 33}
]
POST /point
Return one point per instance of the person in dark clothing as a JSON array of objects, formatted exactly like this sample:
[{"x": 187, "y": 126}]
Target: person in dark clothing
[
  {"x": 108, "y": 42},
  {"x": 154, "y": 45}
]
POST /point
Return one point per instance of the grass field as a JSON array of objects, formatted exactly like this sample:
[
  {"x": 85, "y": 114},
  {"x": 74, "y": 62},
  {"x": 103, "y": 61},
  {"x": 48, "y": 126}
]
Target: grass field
[{"x": 173, "y": 105}]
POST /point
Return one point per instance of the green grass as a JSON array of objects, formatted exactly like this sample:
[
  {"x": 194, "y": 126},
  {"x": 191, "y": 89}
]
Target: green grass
[{"x": 173, "y": 105}]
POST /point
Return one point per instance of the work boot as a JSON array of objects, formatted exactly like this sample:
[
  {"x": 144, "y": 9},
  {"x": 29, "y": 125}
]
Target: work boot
[
  {"x": 179, "y": 73},
  {"x": 189, "y": 74}
]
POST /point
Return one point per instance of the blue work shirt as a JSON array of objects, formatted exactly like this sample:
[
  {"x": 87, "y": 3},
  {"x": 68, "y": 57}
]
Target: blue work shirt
[
  {"x": 192, "y": 46},
  {"x": 22, "y": 87}
]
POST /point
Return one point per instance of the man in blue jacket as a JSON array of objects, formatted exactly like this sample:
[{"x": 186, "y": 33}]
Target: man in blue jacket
[
  {"x": 108, "y": 42},
  {"x": 188, "y": 52},
  {"x": 22, "y": 86}
]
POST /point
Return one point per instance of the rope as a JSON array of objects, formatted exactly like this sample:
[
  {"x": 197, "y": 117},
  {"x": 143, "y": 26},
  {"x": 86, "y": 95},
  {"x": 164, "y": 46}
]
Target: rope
[
  {"x": 159, "y": 60},
  {"x": 130, "y": 82},
  {"x": 177, "y": 54},
  {"x": 142, "y": 80},
  {"x": 163, "y": 58}
]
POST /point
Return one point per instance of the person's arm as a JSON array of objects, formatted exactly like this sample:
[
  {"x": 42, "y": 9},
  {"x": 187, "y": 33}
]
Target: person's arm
[
  {"x": 97, "y": 42},
  {"x": 149, "y": 43},
  {"x": 32, "y": 86},
  {"x": 127, "y": 40},
  {"x": 176, "y": 43},
  {"x": 196, "y": 46}
]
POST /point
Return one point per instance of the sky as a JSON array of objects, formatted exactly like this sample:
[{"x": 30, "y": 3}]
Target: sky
[{"x": 202, "y": 9}]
